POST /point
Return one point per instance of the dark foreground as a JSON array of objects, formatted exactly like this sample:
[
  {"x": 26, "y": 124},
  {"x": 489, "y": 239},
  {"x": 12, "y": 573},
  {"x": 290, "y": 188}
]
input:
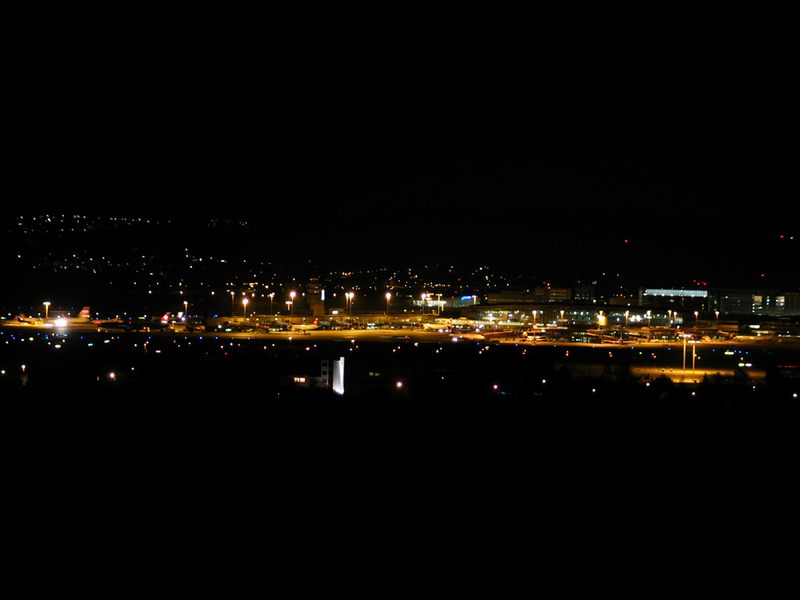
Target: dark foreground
[
  {"x": 193, "y": 430},
  {"x": 153, "y": 374}
]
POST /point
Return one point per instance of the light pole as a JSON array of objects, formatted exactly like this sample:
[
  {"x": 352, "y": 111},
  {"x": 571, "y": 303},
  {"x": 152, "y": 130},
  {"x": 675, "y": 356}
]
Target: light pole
[
  {"x": 185, "y": 307},
  {"x": 388, "y": 297},
  {"x": 46, "y": 307},
  {"x": 474, "y": 299},
  {"x": 271, "y": 296},
  {"x": 684, "y": 351},
  {"x": 348, "y": 305},
  {"x": 649, "y": 318},
  {"x": 232, "y": 309},
  {"x": 292, "y": 294},
  {"x": 695, "y": 318},
  {"x": 534, "y": 319},
  {"x": 716, "y": 314},
  {"x": 669, "y": 314},
  {"x": 627, "y": 312},
  {"x": 244, "y": 304},
  {"x": 562, "y": 315},
  {"x": 423, "y": 303}
]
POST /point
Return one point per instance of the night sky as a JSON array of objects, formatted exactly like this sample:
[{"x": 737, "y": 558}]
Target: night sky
[{"x": 410, "y": 136}]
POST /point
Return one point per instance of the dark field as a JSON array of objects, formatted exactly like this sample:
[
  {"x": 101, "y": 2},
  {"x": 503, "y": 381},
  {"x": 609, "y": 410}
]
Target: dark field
[{"x": 159, "y": 372}]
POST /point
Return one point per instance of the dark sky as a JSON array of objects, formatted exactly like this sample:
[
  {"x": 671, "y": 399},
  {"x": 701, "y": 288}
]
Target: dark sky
[{"x": 362, "y": 125}]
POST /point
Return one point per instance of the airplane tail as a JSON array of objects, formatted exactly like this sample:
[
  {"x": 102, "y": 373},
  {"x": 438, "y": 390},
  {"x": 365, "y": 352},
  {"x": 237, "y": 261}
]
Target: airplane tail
[{"x": 84, "y": 312}]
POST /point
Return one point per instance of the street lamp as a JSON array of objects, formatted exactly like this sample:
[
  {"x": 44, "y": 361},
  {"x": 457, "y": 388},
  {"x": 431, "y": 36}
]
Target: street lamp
[
  {"x": 292, "y": 294},
  {"x": 46, "y": 307},
  {"x": 627, "y": 312},
  {"x": 562, "y": 315},
  {"x": 423, "y": 302},
  {"x": 716, "y": 313},
  {"x": 244, "y": 304},
  {"x": 695, "y": 318},
  {"x": 185, "y": 307},
  {"x": 271, "y": 296},
  {"x": 232, "y": 309},
  {"x": 534, "y": 319},
  {"x": 388, "y": 297},
  {"x": 684, "y": 350},
  {"x": 348, "y": 304}
]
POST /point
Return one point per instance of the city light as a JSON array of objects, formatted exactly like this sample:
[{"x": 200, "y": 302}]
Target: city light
[{"x": 505, "y": 317}]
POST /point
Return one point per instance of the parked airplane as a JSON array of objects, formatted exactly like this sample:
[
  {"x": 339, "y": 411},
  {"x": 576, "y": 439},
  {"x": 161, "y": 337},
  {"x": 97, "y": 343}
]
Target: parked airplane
[{"x": 21, "y": 320}]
